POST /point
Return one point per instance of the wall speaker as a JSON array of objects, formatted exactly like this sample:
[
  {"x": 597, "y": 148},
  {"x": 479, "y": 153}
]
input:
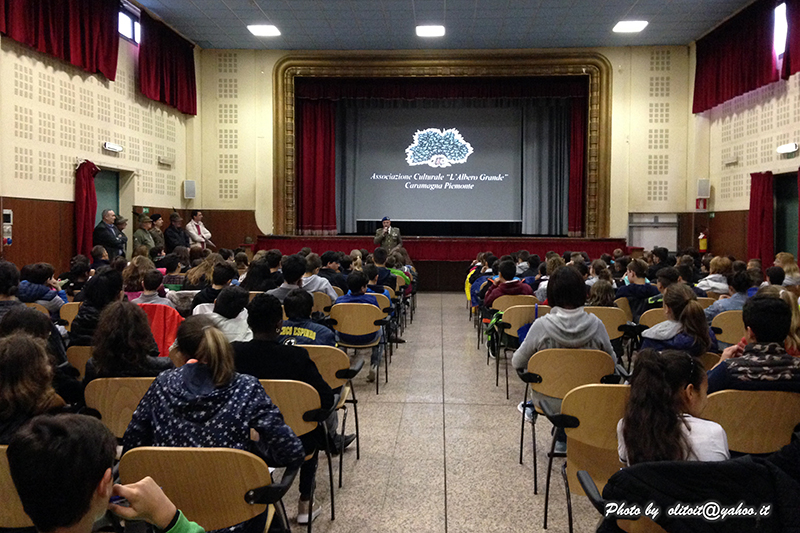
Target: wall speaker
[
  {"x": 704, "y": 188},
  {"x": 189, "y": 189}
]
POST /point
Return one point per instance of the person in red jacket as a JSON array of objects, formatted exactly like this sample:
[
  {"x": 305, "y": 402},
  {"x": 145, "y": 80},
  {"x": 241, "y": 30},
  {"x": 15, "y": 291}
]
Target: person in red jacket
[{"x": 506, "y": 283}]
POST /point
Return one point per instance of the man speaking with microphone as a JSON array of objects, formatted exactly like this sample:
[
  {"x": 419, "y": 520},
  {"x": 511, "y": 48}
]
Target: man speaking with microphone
[{"x": 387, "y": 236}]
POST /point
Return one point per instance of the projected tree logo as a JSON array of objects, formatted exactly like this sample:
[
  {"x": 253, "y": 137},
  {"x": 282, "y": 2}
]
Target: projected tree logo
[{"x": 438, "y": 148}]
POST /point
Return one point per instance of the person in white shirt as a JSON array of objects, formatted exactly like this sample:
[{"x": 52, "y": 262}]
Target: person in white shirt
[
  {"x": 197, "y": 231},
  {"x": 669, "y": 391}
]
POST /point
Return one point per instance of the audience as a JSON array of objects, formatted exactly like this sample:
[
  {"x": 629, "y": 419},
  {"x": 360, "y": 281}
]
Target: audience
[
  {"x": 299, "y": 328},
  {"x": 151, "y": 282},
  {"x": 717, "y": 279},
  {"x": 9, "y": 284},
  {"x": 602, "y": 294},
  {"x": 357, "y": 282},
  {"x": 104, "y": 287},
  {"x": 636, "y": 288},
  {"x": 312, "y": 281},
  {"x": 662, "y": 419},
  {"x": 221, "y": 277},
  {"x": 330, "y": 270},
  {"x": 685, "y": 328},
  {"x": 259, "y": 276},
  {"x": 294, "y": 266},
  {"x": 775, "y": 275},
  {"x": 739, "y": 284},
  {"x": 39, "y": 286},
  {"x": 506, "y": 284},
  {"x": 198, "y": 277},
  {"x": 230, "y": 315},
  {"x": 787, "y": 262}
]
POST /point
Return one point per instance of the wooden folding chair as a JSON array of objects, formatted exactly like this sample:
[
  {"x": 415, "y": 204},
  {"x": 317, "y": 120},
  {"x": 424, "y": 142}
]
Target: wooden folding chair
[
  {"x": 39, "y": 307},
  {"x": 552, "y": 374},
  {"x": 77, "y": 357},
  {"x": 361, "y": 319},
  {"x": 514, "y": 318},
  {"x": 116, "y": 399},
  {"x": 730, "y": 327},
  {"x": 338, "y": 291},
  {"x": 651, "y": 317},
  {"x": 68, "y": 312},
  {"x": 214, "y": 487},
  {"x": 12, "y": 515},
  {"x": 300, "y": 406},
  {"x": 715, "y": 295},
  {"x": 612, "y": 318},
  {"x": 589, "y": 416},
  {"x": 705, "y": 302},
  {"x": 334, "y": 367},
  {"x": 755, "y": 421},
  {"x": 501, "y": 304},
  {"x": 625, "y": 305},
  {"x": 322, "y": 303},
  {"x": 709, "y": 360}
]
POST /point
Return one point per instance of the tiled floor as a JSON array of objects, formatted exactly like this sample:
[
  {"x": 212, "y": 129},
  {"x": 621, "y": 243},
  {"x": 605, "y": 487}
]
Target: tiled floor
[{"x": 440, "y": 444}]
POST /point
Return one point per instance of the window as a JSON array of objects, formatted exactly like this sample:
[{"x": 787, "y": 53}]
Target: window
[
  {"x": 780, "y": 31},
  {"x": 129, "y": 26}
]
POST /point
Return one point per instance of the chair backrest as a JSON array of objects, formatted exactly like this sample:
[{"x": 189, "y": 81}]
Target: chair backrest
[
  {"x": 77, "y": 357},
  {"x": 11, "y": 511},
  {"x": 564, "y": 369},
  {"x": 504, "y": 302},
  {"x": 519, "y": 315},
  {"x": 709, "y": 360},
  {"x": 755, "y": 421},
  {"x": 651, "y": 317},
  {"x": 68, "y": 312},
  {"x": 612, "y": 317},
  {"x": 731, "y": 324},
  {"x": 705, "y": 302},
  {"x": 592, "y": 446},
  {"x": 625, "y": 305},
  {"x": 38, "y": 307},
  {"x": 329, "y": 361},
  {"x": 400, "y": 283},
  {"x": 321, "y": 301},
  {"x": 164, "y": 322},
  {"x": 116, "y": 399},
  {"x": 293, "y": 398},
  {"x": 356, "y": 319},
  {"x": 383, "y": 301},
  {"x": 338, "y": 291},
  {"x": 392, "y": 293},
  {"x": 253, "y": 294},
  {"x": 207, "y": 484},
  {"x": 715, "y": 295}
]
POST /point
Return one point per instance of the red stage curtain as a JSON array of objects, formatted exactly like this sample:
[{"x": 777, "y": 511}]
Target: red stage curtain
[
  {"x": 736, "y": 58},
  {"x": 316, "y": 167},
  {"x": 577, "y": 166},
  {"x": 81, "y": 32},
  {"x": 791, "y": 57},
  {"x": 417, "y": 88},
  {"x": 760, "y": 224},
  {"x": 166, "y": 66},
  {"x": 85, "y": 206}
]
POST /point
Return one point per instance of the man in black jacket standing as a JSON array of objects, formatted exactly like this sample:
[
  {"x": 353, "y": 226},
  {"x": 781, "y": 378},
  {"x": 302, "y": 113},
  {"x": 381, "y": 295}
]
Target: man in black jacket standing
[
  {"x": 107, "y": 235},
  {"x": 175, "y": 235}
]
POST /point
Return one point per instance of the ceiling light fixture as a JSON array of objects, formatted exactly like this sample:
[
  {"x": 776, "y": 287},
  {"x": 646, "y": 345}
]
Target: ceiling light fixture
[
  {"x": 430, "y": 31},
  {"x": 264, "y": 30},
  {"x": 630, "y": 26}
]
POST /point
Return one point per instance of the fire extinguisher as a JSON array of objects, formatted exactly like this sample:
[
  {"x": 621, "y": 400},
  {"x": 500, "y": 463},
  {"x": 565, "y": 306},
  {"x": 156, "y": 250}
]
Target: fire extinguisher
[{"x": 702, "y": 242}]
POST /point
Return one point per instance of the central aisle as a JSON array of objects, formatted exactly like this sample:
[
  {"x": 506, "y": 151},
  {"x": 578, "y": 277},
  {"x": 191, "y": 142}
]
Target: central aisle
[{"x": 440, "y": 443}]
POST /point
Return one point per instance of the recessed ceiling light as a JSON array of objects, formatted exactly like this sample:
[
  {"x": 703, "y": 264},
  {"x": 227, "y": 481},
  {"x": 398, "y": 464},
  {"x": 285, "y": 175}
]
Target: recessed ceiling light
[
  {"x": 264, "y": 30},
  {"x": 630, "y": 26},
  {"x": 430, "y": 31}
]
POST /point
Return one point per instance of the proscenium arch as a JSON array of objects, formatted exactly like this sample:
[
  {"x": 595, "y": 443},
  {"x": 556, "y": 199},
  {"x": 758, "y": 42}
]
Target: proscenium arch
[{"x": 462, "y": 64}]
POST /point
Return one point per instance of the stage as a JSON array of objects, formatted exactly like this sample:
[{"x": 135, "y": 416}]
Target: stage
[{"x": 442, "y": 262}]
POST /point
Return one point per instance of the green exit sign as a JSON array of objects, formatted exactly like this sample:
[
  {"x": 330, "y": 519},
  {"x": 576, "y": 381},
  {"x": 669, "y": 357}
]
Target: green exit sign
[{"x": 145, "y": 210}]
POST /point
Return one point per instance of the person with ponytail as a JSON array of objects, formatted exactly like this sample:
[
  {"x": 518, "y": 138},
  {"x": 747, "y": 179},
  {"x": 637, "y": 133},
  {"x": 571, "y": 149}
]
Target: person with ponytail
[
  {"x": 206, "y": 403},
  {"x": 661, "y": 423},
  {"x": 685, "y": 328}
]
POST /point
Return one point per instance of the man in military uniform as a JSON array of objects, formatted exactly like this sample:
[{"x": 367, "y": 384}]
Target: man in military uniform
[{"x": 386, "y": 236}]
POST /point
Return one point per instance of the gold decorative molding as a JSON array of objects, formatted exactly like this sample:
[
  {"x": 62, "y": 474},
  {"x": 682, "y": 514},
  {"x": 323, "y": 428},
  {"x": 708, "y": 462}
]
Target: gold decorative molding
[{"x": 462, "y": 64}]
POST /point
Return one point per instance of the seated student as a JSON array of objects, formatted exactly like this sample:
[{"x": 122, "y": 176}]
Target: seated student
[
  {"x": 221, "y": 278},
  {"x": 299, "y": 328},
  {"x": 787, "y": 262},
  {"x": 26, "y": 387},
  {"x": 173, "y": 279},
  {"x": 637, "y": 290},
  {"x": 484, "y": 269},
  {"x": 39, "y": 286},
  {"x": 775, "y": 275},
  {"x": 506, "y": 284},
  {"x": 685, "y": 328},
  {"x": 242, "y": 262},
  {"x": 357, "y": 281},
  {"x": 756, "y": 280},
  {"x": 330, "y": 270},
  {"x": 567, "y": 325},
  {"x": 157, "y": 255},
  {"x": 294, "y": 266},
  {"x": 133, "y": 274},
  {"x": 739, "y": 284},
  {"x": 717, "y": 279},
  {"x": 385, "y": 276},
  {"x": 124, "y": 345},
  {"x": 524, "y": 268},
  {"x": 602, "y": 294},
  {"x": 266, "y": 358},
  {"x": 78, "y": 275},
  {"x": 104, "y": 287},
  {"x": 199, "y": 276},
  {"x": 598, "y": 270},
  {"x": 99, "y": 257},
  {"x": 230, "y": 315},
  {"x": 259, "y": 276},
  {"x": 553, "y": 263},
  {"x": 662, "y": 419},
  {"x": 206, "y": 403},
  {"x": 660, "y": 257},
  {"x": 62, "y": 469},
  {"x": 345, "y": 266},
  {"x": 666, "y": 277},
  {"x": 9, "y": 283},
  {"x": 394, "y": 265},
  {"x": 686, "y": 273},
  {"x": 763, "y": 363},
  {"x": 312, "y": 281},
  {"x": 371, "y": 271},
  {"x": 151, "y": 282},
  {"x": 22, "y": 320}
]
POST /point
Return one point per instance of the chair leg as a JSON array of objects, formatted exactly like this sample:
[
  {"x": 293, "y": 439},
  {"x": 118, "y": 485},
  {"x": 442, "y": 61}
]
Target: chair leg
[
  {"x": 569, "y": 496},
  {"x": 547, "y": 486},
  {"x": 522, "y": 426},
  {"x": 355, "y": 415},
  {"x": 330, "y": 470},
  {"x": 495, "y": 342},
  {"x": 535, "y": 459},
  {"x": 341, "y": 452},
  {"x": 505, "y": 357}
]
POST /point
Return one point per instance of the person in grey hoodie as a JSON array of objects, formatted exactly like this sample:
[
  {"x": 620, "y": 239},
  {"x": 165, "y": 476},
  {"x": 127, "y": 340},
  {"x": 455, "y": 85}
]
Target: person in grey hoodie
[{"x": 567, "y": 325}]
